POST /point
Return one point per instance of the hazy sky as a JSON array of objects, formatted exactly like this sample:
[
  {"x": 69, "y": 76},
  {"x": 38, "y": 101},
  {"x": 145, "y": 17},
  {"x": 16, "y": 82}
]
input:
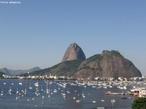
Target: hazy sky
[{"x": 38, "y": 32}]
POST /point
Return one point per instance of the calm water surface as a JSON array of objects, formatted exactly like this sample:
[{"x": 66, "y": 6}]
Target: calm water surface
[{"x": 32, "y": 94}]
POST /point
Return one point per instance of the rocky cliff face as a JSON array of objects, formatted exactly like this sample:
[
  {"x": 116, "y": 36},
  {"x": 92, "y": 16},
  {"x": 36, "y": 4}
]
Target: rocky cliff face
[
  {"x": 107, "y": 64},
  {"x": 74, "y": 52}
]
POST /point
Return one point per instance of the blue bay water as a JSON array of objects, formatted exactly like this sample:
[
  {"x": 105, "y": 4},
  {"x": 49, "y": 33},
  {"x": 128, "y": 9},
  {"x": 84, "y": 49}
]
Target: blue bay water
[{"x": 33, "y": 94}]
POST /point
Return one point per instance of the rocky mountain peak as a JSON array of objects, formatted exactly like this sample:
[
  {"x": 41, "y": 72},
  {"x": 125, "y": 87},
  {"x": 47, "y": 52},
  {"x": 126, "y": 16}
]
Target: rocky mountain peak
[{"x": 74, "y": 52}]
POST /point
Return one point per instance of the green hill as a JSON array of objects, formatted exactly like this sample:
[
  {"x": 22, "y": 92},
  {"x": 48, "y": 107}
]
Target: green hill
[
  {"x": 106, "y": 64},
  {"x": 66, "y": 68}
]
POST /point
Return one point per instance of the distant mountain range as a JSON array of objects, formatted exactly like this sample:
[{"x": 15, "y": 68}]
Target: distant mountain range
[
  {"x": 109, "y": 63},
  {"x": 18, "y": 72}
]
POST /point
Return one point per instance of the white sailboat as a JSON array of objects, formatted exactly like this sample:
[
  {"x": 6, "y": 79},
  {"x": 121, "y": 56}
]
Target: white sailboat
[{"x": 2, "y": 93}]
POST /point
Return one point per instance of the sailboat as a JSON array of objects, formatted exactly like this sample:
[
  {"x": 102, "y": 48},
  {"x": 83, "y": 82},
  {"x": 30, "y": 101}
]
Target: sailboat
[
  {"x": 36, "y": 84},
  {"x": 2, "y": 92},
  {"x": 30, "y": 87}
]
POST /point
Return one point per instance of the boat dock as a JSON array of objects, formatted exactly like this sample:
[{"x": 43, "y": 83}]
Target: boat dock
[{"x": 116, "y": 93}]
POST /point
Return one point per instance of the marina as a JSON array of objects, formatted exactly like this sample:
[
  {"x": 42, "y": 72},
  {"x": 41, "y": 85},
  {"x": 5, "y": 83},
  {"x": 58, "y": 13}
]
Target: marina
[{"x": 40, "y": 94}]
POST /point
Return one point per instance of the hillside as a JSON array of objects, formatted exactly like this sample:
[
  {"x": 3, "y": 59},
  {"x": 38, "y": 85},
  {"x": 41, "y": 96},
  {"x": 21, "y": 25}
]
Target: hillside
[
  {"x": 19, "y": 72},
  {"x": 67, "y": 68},
  {"x": 11, "y": 72},
  {"x": 106, "y": 64},
  {"x": 6, "y": 71}
]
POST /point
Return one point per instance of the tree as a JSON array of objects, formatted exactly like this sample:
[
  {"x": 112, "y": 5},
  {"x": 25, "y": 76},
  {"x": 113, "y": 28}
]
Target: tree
[{"x": 139, "y": 103}]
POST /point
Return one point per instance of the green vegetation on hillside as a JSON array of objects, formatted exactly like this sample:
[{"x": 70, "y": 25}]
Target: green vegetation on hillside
[
  {"x": 116, "y": 53},
  {"x": 92, "y": 59},
  {"x": 112, "y": 53},
  {"x": 59, "y": 69},
  {"x": 139, "y": 103},
  {"x": 66, "y": 67}
]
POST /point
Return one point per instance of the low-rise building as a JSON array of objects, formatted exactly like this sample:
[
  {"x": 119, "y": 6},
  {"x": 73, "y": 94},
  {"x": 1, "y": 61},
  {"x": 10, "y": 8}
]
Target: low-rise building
[{"x": 142, "y": 93}]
